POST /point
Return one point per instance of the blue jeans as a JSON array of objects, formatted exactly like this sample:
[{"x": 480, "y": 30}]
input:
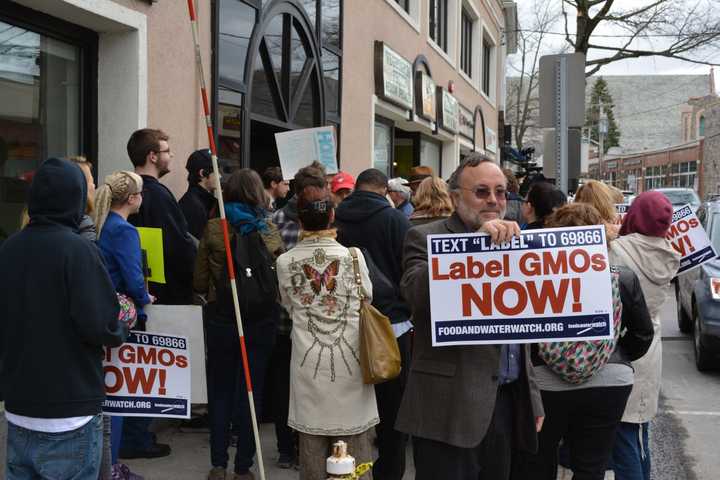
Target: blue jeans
[
  {"x": 227, "y": 393},
  {"x": 631, "y": 454},
  {"x": 73, "y": 455}
]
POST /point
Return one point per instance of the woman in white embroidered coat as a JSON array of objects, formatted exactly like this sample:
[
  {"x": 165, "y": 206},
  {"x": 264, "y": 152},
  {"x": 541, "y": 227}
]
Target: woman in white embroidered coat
[
  {"x": 328, "y": 399},
  {"x": 642, "y": 247}
]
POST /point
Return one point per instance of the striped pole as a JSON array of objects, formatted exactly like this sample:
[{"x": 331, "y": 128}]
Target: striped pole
[{"x": 226, "y": 235}]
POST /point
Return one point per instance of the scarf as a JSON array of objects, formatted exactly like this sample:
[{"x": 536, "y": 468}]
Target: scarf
[
  {"x": 246, "y": 219},
  {"x": 329, "y": 233}
]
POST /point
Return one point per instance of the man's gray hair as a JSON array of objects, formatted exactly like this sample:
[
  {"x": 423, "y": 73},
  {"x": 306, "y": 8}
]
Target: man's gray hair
[
  {"x": 472, "y": 160},
  {"x": 399, "y": 185}
]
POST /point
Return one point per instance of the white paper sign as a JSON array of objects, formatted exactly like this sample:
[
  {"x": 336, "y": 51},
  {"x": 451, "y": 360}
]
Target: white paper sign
[
  {"x": 300, "y": 148},
  {"x": 689, "y": 239},
  {"x": 185, "y": 320},
  {"x": 545, "y": 285},
  {"x": 148, "y": 376}
]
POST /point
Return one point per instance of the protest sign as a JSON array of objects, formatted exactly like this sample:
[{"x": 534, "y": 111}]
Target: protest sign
[
  {"x": 151, "y": 241},
  {"x": 545, "y": 285},
  {"x": 300, "y": 148},
  {"x": 187, "y": 321},
  {"x": 622, "y": 209},
  {"x": 148, "y": 376},
  {"x": 689, "y": 239}
]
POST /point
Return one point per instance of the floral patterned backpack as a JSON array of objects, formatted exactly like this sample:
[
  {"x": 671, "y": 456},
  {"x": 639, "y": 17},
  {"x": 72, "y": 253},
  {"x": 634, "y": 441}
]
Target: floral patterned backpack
[{"x": 577, "y": 362}]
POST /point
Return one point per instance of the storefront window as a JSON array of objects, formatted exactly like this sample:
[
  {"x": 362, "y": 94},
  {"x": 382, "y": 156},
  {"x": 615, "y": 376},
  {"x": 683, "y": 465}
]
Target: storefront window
[
  {"x": 430, "y": 154},
  {"x": 382, "y": 152},
  {"x": 40, "y": 101},
  {"x": 237, "y": 20},
  {"x": 330, "y": 23},
  {"x": 331, "y": 74}
]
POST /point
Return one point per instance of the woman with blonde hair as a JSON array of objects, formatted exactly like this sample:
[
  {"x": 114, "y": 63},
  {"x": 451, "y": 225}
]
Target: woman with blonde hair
[
  {"x": 117, "y": 198},
  {"x": 432, "y": 201},
  {"x": 602, "y": 198}
]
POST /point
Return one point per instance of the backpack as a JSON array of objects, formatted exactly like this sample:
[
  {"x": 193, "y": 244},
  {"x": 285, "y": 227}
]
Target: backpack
[
  {"x": 255, "y": 276},
  {"x": 577, "y": 362}
]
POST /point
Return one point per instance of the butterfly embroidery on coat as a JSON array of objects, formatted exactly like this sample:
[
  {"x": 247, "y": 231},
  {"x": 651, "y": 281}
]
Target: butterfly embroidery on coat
[{"x": 326, "y": 278}]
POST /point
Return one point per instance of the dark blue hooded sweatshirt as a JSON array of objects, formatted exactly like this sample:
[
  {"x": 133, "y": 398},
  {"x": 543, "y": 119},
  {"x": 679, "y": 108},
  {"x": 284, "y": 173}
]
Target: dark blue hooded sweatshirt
[{"x": 57, "y": 304}]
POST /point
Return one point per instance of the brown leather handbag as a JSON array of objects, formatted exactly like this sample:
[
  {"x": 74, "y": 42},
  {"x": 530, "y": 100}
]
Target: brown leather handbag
[{"x": 379, "y": 352}]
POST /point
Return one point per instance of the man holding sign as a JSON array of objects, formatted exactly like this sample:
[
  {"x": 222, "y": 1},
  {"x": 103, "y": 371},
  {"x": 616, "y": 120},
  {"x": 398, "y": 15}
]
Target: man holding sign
[{"x": 467, "y": 407}]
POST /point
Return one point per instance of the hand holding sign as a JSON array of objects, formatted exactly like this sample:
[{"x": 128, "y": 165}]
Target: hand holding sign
[{"x": 501, "y": 231}]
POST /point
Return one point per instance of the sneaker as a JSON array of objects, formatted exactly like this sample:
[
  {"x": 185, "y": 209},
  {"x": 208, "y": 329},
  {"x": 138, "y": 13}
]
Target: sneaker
[
  {"x": 286, "y": 461},
  {"x": 216, "y": 473},
  {"x": 120, "y": 471}
]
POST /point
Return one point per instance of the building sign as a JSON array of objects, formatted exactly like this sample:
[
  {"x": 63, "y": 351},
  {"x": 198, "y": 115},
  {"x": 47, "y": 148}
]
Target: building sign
[
  {"x": 491, "y": 140},
  {"x": 611, "y": 165},
  {"x": 466, "y": 123},
  {"x": 632, "y": 161},
  {"x": 425, "y": 98},
  {"x": 393, "y": 77},
  {"x": 448, "y": 111}
]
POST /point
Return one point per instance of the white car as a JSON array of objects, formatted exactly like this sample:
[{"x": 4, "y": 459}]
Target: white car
[{"x": 681, "y": 196}]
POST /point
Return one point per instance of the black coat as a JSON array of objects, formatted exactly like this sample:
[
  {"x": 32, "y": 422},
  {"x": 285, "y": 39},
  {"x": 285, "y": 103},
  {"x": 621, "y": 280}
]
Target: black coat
[
  {"x": 160, "y": 210},
  {"x": 58, "y": 306},
  {"x": 368, "y": 221},
  {"x": 196, "y": 206}
]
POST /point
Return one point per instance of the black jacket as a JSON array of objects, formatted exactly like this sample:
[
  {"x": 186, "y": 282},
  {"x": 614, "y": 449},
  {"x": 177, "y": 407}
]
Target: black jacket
[
  {"x": 57, "y": 304},
  {"x": 367, "y": 220},
  {"x": 160, "y": 210},
  {"x": 196, "y": 205},
  {"x": 386, "y": 297}
]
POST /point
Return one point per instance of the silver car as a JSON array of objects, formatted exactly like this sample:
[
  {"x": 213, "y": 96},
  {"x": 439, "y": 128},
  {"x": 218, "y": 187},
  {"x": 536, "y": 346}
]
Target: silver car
[
  {"x": 681, "y": 196},
  {"x": 698, "y": 296}
]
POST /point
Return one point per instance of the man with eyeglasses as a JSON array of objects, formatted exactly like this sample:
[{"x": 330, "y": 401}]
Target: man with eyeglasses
[
  {"x": 467, "y": 407},
  {"x": 150, "y": 154}
]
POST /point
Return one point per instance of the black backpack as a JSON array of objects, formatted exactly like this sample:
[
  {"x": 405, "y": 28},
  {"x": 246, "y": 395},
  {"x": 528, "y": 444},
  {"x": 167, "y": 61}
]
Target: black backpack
[{"x": 256, "y": 279}]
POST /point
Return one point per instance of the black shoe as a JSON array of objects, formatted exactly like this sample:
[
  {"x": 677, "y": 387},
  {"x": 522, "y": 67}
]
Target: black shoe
[{"x": 156, "y": 450}]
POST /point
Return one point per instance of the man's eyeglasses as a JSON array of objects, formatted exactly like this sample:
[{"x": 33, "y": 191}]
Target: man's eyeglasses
[
  {"x": 483, "y": 193},
  {"x": 167, "y": 150}
]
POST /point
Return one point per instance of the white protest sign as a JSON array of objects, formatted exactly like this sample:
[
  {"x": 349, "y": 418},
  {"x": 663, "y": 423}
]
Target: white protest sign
[
  {"x": 300, "y": 148},
  {"x": 689, "y": 239},
  {"x": 185, "y": 320},
  {"x": 148, "y": 376},
  {"x": 545, "y": 285},
  {"x": 622, "y": 209}
]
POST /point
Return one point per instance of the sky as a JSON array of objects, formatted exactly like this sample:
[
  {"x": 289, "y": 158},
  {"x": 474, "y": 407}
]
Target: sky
[{"x": 640, "y": 66}]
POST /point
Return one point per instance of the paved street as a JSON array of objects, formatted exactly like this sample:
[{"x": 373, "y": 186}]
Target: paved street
[{"x": 684, "y": 436}]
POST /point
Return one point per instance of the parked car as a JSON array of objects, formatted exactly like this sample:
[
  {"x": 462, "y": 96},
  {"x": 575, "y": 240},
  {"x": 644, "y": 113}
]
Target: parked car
[
  {"x": 681, "y": 196},
  {"x": 697, "y": 293}
]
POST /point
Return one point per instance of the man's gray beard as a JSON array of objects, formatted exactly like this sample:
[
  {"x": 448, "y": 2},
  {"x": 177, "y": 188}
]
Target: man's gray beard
[{"x": 473, "y": 221}]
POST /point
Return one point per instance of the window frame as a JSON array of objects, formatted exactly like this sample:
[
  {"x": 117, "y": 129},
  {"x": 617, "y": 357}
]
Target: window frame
[
  {"x": 467, "y": 25},
  {"x": 439, "y": 27}
]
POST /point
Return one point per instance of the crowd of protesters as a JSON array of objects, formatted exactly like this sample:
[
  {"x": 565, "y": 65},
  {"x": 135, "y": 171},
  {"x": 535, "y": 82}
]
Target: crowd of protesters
[{"x": 318, "y": 245}]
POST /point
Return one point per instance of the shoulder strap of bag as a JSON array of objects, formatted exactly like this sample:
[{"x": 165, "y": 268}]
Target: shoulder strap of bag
[{"x": 356, "y": 269}]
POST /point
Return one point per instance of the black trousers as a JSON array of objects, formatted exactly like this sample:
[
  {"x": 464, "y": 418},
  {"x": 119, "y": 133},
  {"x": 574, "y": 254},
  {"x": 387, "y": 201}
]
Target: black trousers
[
  {"x": 587, "y": 420},
  {"x": 391, "y": 444},
  {"x": 490, "y": 460},
  {"x": 280, "y": 369}
]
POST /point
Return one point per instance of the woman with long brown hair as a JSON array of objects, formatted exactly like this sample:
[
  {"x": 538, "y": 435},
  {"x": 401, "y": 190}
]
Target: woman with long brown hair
[{"x": 432, "y": 201}]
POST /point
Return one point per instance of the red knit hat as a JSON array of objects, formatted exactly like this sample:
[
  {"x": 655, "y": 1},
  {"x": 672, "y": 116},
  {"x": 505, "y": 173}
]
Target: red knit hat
[{"x": 650, "y": 214}]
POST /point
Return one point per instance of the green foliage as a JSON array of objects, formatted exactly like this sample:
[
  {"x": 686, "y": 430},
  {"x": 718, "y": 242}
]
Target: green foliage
[{"x": 601, "y": 95}]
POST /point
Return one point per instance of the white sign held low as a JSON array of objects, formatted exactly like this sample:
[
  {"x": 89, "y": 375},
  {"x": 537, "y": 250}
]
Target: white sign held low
[
  {"x": 545, "y": 285},
  {"x": 689, "y": 239},
  {"x": 148, "y": 376}
]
